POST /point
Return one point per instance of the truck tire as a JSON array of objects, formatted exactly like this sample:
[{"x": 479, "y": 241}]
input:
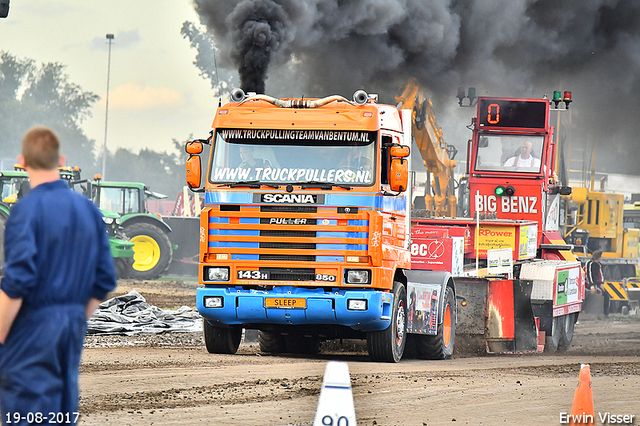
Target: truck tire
[
  {"x": 552, "y": 340},
  {"x": 153, "y": 251},
  {"x": 567, "y": 323},
  {"x": 388, "y": 345},
  {"x": 299, "y": 344},
  {"x": 441, "y": 345},
  {"x": 271, "y": 343},
  {"x": 220, "y": 340}
]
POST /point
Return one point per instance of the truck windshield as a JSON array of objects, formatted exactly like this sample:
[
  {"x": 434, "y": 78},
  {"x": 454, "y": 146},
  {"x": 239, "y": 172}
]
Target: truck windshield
[
  {"x": 520, "y": 153},
  {"x": 293, "y": 156}
]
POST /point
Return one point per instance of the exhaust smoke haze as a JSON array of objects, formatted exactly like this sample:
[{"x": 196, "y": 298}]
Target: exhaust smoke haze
[{"x": 512, "y": 48}]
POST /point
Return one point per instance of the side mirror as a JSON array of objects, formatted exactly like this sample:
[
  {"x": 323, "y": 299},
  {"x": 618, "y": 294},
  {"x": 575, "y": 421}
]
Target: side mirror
[
  {"x": 4, "y": 8},
  {"x": 193, "y": 172},
  {"x": 193, "y": 147},
  {"x": 399, "y": 151},
  {"x": 398, "y": 174}
]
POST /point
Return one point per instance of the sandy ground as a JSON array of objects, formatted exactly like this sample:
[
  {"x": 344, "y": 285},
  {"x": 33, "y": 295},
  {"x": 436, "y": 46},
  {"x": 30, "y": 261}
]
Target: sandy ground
[{"x": 171, "y": 379}]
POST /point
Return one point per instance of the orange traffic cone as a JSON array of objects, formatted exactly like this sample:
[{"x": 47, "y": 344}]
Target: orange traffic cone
[{"x": 582, "y": 412}]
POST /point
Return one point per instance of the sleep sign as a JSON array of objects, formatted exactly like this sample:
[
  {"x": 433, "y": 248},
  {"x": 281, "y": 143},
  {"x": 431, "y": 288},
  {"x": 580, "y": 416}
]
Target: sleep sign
[{"x": 518, "y": 113}]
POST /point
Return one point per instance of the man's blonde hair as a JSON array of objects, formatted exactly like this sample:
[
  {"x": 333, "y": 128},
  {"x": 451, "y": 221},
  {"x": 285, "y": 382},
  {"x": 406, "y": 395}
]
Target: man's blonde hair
[{"x": 41, "y": 149}]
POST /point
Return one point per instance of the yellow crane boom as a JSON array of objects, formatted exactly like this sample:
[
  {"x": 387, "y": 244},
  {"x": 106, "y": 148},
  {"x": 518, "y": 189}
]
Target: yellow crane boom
[{"x": 434, "y": 151}]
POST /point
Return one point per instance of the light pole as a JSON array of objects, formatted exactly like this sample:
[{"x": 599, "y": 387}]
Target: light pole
[{"x": 106, "y": 115}]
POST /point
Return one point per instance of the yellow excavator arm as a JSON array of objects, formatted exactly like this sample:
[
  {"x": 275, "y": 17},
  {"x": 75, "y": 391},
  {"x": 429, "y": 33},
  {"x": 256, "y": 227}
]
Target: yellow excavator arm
[{"x": 434, "y": 151}]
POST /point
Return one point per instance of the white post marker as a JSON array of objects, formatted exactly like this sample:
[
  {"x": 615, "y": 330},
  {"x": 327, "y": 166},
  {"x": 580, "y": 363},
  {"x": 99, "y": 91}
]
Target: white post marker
[{"x": 335, "y": 405}]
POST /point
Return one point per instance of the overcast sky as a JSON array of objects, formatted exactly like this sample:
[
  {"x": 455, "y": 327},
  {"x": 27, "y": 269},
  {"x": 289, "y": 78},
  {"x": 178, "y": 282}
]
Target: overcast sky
[{"x": 155, "y": 91}]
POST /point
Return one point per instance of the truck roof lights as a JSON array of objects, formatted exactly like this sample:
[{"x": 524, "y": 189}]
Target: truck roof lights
[
  {"x": 559, "y": 96},
  {"x": 462, "y": 94},
  {"x": 567, "y": 99}
]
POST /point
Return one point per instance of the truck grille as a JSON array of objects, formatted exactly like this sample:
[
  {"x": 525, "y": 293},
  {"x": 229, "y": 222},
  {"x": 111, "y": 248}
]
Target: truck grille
[
  {"x": 290, "y": 274},
  {"x": 298, "y": 209},
  {"x": 287, "y": 258}
]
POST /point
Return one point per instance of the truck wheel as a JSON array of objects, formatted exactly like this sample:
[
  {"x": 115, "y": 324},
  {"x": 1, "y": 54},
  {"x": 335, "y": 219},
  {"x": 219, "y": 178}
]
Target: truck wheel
[
  {"x": 220, "y": 340},
  {"x": 552, "y": 340},
  {"x": 270, "y": 342},
  {"x": 299, "y": 344},
  {"x": 441, "y": 345},
  {"x": 567, "y": 323},
  {"x": 152, "y": 251},
  {"x": 388, "y": 345}
]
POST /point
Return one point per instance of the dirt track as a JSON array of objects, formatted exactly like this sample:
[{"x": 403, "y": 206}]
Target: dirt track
[{"x": 172, "y": 380}]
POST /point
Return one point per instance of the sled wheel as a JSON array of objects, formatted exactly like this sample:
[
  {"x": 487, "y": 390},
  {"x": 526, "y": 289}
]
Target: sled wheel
[
  {"x": 552, "y": 340},
  {"x": 567, "y": 323}
]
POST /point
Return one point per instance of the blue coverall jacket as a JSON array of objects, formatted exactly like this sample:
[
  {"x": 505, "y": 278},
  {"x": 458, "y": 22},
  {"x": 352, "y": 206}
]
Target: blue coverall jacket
[{"x": 57, "y": 258}]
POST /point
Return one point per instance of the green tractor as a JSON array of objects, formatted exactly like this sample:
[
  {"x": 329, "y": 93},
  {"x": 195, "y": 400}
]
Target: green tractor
[
  {"x": 148, "y": 232},
  {"x": 15, "y": 183}
]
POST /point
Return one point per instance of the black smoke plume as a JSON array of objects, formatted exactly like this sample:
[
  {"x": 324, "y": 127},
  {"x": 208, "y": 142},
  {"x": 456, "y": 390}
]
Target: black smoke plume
[{"x": 515, "y": 48}]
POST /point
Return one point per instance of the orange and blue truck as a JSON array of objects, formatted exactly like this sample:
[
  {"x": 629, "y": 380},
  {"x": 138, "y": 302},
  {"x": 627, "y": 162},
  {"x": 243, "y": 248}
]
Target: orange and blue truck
[{"x": 308, "y": 234}]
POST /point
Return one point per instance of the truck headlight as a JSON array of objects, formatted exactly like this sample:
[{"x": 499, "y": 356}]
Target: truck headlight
[
  {"x": 213, "y": 302},
  {"x": 217, "y": 273},
  {"x": 107, "y": 220},
  {"x": 357, "y": 304},
  {"x": 358, "y": 276}
]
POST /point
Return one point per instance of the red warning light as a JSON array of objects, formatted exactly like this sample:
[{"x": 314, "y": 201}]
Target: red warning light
[{"x": 567, "y": 99}]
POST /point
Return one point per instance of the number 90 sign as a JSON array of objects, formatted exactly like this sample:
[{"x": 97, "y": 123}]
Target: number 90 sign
[{"x": 340, "y": 421}]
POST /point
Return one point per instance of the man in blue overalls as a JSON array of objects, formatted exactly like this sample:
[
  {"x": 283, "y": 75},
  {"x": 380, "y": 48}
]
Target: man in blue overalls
[{"x": 58, "y": 268}]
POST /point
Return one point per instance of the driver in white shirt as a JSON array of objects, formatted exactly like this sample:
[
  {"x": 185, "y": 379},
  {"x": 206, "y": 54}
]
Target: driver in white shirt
[{"x": 524, "y": 159}]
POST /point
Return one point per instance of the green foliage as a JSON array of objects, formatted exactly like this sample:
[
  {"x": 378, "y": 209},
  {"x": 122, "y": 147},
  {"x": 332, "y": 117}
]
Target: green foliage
[
  {"x": 162, "y": 172},
  {"x": 43, "y": 95},
  {"x": 205, "y": 61}
]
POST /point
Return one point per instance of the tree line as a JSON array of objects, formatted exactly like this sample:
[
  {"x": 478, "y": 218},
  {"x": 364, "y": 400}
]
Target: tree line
[{"x": 32, "y": 94}]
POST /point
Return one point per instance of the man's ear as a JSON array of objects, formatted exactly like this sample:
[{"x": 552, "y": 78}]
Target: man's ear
[
  {"x": 63, "y": 160},
  {"x": 21, "y": 161}
]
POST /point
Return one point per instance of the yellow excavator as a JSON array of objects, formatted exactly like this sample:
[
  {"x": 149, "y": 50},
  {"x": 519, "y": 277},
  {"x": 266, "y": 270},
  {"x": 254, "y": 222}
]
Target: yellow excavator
[{"x": 439, "y": 197}]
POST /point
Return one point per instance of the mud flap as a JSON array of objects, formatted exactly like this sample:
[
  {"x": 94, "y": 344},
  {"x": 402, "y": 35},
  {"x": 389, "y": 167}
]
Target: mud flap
[
  {"x": 511, "y": 325},
  {"x": 425, "y": 298},
  {"x": 471, "y": 319},
  {"x": 497, "y": 315}
]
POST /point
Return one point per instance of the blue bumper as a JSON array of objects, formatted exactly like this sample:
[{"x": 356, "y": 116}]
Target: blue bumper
[{"x": 242, "y": 306}]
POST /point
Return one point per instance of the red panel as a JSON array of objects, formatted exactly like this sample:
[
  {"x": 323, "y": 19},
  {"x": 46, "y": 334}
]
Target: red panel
[{"x": 500, "y": 310}]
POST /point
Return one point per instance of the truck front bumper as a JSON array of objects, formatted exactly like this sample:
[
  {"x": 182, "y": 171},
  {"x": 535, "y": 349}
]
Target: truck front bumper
[{"x": 242, "y": 306}]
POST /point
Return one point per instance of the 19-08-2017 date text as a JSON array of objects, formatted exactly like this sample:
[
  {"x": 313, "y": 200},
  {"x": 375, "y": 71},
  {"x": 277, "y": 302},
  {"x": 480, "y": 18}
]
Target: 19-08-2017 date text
[{"x": 50, "y": 418}]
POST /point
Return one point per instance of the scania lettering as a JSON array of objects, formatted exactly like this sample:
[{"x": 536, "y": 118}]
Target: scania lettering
[{"x": 288, "y": 198}]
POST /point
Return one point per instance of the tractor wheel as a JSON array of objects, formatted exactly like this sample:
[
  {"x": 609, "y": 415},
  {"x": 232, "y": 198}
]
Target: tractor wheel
[
  {"x": 567, "y": 325},
  {"x": 552, "y": 340},
  {"x": 220, "y": 340},
  {"x": 441, "y": 345},
  {"x": 388, "y": 345},
  {"x": 272, "y": 343},
  {"x": 122, "y": 267},
  {"x": 152, "y": 251}
]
